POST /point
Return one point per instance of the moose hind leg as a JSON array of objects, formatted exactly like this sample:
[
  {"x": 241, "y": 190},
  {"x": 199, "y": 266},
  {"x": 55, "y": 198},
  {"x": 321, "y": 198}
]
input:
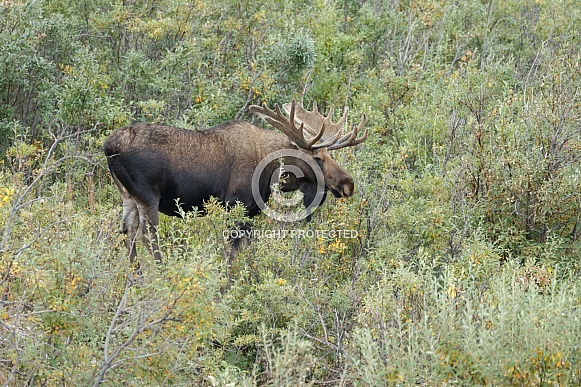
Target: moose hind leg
[
  {"x": 148, "y": 221},
  {"x": 130, "y": 227}
]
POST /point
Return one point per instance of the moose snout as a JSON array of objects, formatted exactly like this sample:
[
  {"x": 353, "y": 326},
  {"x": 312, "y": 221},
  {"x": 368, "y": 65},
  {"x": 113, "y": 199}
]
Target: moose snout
[
  {"x": 347, "y": 190},
  {"x": 343, "y": 190}
]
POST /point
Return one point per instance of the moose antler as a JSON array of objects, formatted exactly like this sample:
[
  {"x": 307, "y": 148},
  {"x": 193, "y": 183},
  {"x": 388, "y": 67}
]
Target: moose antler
[
  {"x": 289, "y": 127},
  {"x": 326, "y": 133},
  {"x": 313, "y": 119}
]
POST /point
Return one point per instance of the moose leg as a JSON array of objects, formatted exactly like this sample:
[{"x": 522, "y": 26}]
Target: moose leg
[
  {"x": 129, "y": 227},
  {"x": 239, "y": 239},
  {"x": 148, "y": 221},
  {"x": 240, "y": 235},
  {"x": 129, "y": 222},
  {"x": 310, "y": 193}
]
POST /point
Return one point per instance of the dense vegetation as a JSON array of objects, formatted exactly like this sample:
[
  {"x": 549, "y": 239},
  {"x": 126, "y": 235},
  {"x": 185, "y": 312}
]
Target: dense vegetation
[{"x": 466, "y": 264}]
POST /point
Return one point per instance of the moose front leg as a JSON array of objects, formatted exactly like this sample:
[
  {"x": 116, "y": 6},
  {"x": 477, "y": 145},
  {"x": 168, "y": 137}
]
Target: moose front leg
[{"x": 310, "y": 194}]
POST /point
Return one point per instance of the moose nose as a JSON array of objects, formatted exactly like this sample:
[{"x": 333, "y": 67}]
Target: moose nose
[{"x": 347, "y": 190}]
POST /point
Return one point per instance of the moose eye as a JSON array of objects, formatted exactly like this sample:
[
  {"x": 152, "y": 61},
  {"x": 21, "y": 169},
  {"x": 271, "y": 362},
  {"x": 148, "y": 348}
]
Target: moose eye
[{"x": 318, "y": 159}]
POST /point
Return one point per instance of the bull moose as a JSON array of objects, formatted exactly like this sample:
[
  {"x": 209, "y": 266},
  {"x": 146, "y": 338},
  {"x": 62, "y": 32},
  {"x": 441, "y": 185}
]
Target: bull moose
[{"x": 155, "y": 165}]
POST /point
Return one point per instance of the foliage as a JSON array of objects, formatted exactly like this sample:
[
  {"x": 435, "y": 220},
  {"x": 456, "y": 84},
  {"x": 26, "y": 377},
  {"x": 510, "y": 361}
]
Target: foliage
[{"x": 461, "y": 261}]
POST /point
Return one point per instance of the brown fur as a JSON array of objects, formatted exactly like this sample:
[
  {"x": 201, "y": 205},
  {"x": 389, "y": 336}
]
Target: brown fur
[{"x": 153, "y": 165}]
